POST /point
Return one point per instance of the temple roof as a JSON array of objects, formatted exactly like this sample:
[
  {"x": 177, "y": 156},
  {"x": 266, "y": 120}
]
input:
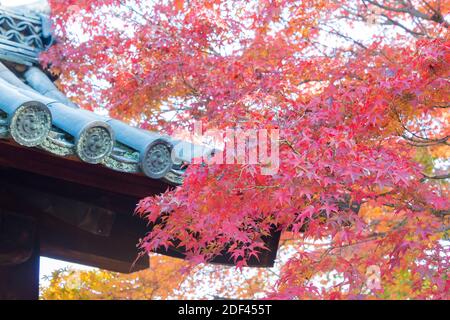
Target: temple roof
[
  {"x": 35, "y": 114},
  {"x": 23, "y": 35}
]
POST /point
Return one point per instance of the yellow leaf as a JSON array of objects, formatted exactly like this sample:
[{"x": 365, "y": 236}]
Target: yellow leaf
[{"x": 179, "y": 4}]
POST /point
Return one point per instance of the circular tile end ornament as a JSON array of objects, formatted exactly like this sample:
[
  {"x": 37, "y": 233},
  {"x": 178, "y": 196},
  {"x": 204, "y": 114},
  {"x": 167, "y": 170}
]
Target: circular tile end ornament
[
  {"x": 30, "y": 124},
  {"x": 95, "y": 143},
  {"x": 156, "y": 161}
]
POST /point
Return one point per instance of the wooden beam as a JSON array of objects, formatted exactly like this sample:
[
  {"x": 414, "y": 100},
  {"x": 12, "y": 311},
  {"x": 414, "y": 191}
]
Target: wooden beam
[
  {"x": 19, "y": 275},
  {"x": 51, "y": 203},
  {"x": 71, "y": 170}
]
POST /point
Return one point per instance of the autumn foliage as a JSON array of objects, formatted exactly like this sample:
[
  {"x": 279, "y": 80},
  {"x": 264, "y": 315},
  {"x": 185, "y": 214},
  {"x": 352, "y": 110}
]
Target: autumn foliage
[
  {"x": 163, "y": 277},
  {"x": 359, "y": 90},
  {"x": 167, "y": 278}
]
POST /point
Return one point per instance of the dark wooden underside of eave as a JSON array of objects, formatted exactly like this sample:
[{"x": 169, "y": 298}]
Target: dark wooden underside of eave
[
  {"x": 27, "y": 174},
  {"x": 71, "y": 170}
]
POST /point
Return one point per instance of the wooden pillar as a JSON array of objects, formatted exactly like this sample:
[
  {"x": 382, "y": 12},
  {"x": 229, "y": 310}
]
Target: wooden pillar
[{"x": 19, "y": 258}]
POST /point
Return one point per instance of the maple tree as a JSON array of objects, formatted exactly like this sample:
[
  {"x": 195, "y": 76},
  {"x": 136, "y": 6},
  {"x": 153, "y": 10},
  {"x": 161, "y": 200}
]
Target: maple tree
[{"x": 363, "y": 121}]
